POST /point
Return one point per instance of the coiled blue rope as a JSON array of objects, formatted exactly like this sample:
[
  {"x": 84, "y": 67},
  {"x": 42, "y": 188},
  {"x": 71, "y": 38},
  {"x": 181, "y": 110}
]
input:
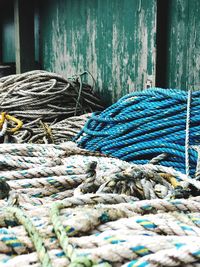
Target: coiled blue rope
[{"x": 142, "y": 125}]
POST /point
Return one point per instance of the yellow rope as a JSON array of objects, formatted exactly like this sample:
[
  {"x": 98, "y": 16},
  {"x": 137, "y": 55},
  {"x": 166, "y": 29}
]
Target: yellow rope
[{"x": 8, "y": 117}]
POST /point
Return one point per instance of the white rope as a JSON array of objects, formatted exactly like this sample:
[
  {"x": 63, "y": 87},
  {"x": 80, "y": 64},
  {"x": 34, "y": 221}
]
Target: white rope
[{"x": 187, "y": 134}]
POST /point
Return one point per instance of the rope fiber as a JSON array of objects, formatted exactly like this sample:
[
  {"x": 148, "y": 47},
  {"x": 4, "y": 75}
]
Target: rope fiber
[
  {"x": 146, "y": 124},
  {"x": 62, "y": 205},
  {"x": 42, "y": 104}
]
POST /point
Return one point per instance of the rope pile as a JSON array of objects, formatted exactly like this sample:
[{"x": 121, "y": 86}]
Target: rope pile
[
  {"x": 65, "y": 206},
  {"x": 38, "y": 101},
  {"x": 61, "y": 205},
  {"x": 146, "y": 124},
  {"x": 56, "y": 133}
]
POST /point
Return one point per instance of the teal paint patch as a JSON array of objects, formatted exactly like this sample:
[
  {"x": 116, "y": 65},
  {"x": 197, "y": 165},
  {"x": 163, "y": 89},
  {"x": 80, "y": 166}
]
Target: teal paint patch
[
  {"x": 93, "y": 35},
  {"x": 183, "y": 45}
]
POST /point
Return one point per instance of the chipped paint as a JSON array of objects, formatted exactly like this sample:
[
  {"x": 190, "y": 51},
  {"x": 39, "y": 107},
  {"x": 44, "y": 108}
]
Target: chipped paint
[
  {"x": 110, "y": 38},
  {"x": 183, "y": 58}
]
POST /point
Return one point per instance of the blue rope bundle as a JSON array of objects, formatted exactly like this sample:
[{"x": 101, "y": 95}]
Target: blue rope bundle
[{"x": 143, "y": 125}]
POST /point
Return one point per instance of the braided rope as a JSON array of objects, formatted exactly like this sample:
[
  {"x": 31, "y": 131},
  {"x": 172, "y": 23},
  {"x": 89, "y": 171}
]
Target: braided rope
[
  {"x": 33, "y": 233},
  {"x": 143, "y": 125},
  {"x": 41, "y": 121},
  {"x": 109, "y": 226}
]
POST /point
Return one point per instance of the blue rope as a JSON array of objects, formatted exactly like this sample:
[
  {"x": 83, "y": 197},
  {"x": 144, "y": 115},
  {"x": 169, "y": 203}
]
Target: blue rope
[{"x": 142, "y": 125}]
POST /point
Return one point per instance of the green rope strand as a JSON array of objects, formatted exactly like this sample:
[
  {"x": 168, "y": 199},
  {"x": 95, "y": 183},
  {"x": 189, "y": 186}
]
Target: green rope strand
[
  {"x": 34, "y": 235},
  {"x": 59, "y": 229},
  {"x": 69, "y": 250}
]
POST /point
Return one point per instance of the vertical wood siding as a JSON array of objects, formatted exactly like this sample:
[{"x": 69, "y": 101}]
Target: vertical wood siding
[
  {"x": 114, "y": 40},
  {"x": 183, "y": 55}
]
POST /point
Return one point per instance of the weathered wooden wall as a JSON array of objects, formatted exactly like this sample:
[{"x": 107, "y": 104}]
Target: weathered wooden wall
[
  {"x": 7, "y": 27},
  {"x": 117, "y": 41},
  {"x": 8, "y": 33},
  {"x": 183, "y": 46},
  {"x": 114, "y": 40}
]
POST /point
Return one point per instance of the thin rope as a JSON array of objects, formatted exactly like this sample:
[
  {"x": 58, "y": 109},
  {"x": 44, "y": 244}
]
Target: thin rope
[{"x": 187, "y": 135}]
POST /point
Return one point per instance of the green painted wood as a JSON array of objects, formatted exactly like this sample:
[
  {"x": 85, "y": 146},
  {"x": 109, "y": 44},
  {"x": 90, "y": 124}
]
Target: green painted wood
[
  {"x": 1, "y": 23},
  {"x": 115, "y": 40},
  {"x": 183, "y": 54},
  {"x": 7, "y": 46},
  {"x": 8, "y": 33}
]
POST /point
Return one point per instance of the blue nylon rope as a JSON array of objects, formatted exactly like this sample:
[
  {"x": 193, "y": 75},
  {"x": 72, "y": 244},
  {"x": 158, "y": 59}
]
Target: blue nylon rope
[{"x": 142, "y": 125}]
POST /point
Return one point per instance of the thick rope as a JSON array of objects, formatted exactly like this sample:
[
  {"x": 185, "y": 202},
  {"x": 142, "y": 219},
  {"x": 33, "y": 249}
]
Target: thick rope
[
  {"x": 38, "y": 101},
  {"x": 143, "y": 125},
  {"x": 81, "y": 208},
  {"x": 34, "y": 235}
]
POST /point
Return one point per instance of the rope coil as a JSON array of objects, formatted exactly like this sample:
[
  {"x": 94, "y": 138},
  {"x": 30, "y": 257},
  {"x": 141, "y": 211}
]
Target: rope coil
[
  {"x": 143, "y": 125},
  {"x": 61, "y": 205},
  {"x": 44, "y": 101}
]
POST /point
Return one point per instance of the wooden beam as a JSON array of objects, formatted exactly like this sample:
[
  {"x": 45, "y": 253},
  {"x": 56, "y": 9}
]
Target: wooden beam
[
  {"x": 1, "y": 28},
  {"x": 24, "y": 35}
]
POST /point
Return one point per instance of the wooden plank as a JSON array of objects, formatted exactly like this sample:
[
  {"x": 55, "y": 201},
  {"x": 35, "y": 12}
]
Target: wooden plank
[
  {"x": 183, "y": 55},
  {"x": 24, "y": 38},
  {"x": 115, "y": 40},
  {"x": 161, "y": 42},
  {"x": 1, "y": 24}
]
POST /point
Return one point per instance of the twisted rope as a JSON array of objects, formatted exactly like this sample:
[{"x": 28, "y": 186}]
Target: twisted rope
[
  {"x": 41, "y": 100},
  {"x": 33, "y": 233},
  {"x": 143, "y": 125},
  {"x": 81, "y": 209},
  {"x": 187, "y": 137}
]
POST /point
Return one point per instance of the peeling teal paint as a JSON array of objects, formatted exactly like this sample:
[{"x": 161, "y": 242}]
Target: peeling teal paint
[
  {"x": 114, "y": 40},
  {"x": 8, "y": 34},
  {"x": 183, "y": 55}
]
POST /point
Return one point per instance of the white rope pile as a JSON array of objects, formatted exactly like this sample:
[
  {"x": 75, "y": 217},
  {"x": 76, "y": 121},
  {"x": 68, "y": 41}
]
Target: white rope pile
[
  {"x": 59, "y": 132},
  {"x": 41, "y": 103},
  {"x": 65, "y": 206}
]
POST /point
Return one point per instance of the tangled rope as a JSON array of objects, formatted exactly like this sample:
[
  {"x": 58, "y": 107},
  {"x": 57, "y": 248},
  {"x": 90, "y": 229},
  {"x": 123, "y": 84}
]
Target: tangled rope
[
  {"x": 61, "y": 205},
  {"x": 40, "y": 100},
  {"x": 56, "y": 171},
  {"x": 65, "y": 206},
  {"x": 143, "y": 125},
  {"x": 114, "y": 231},
  {"x": 59, "y": 132}
]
